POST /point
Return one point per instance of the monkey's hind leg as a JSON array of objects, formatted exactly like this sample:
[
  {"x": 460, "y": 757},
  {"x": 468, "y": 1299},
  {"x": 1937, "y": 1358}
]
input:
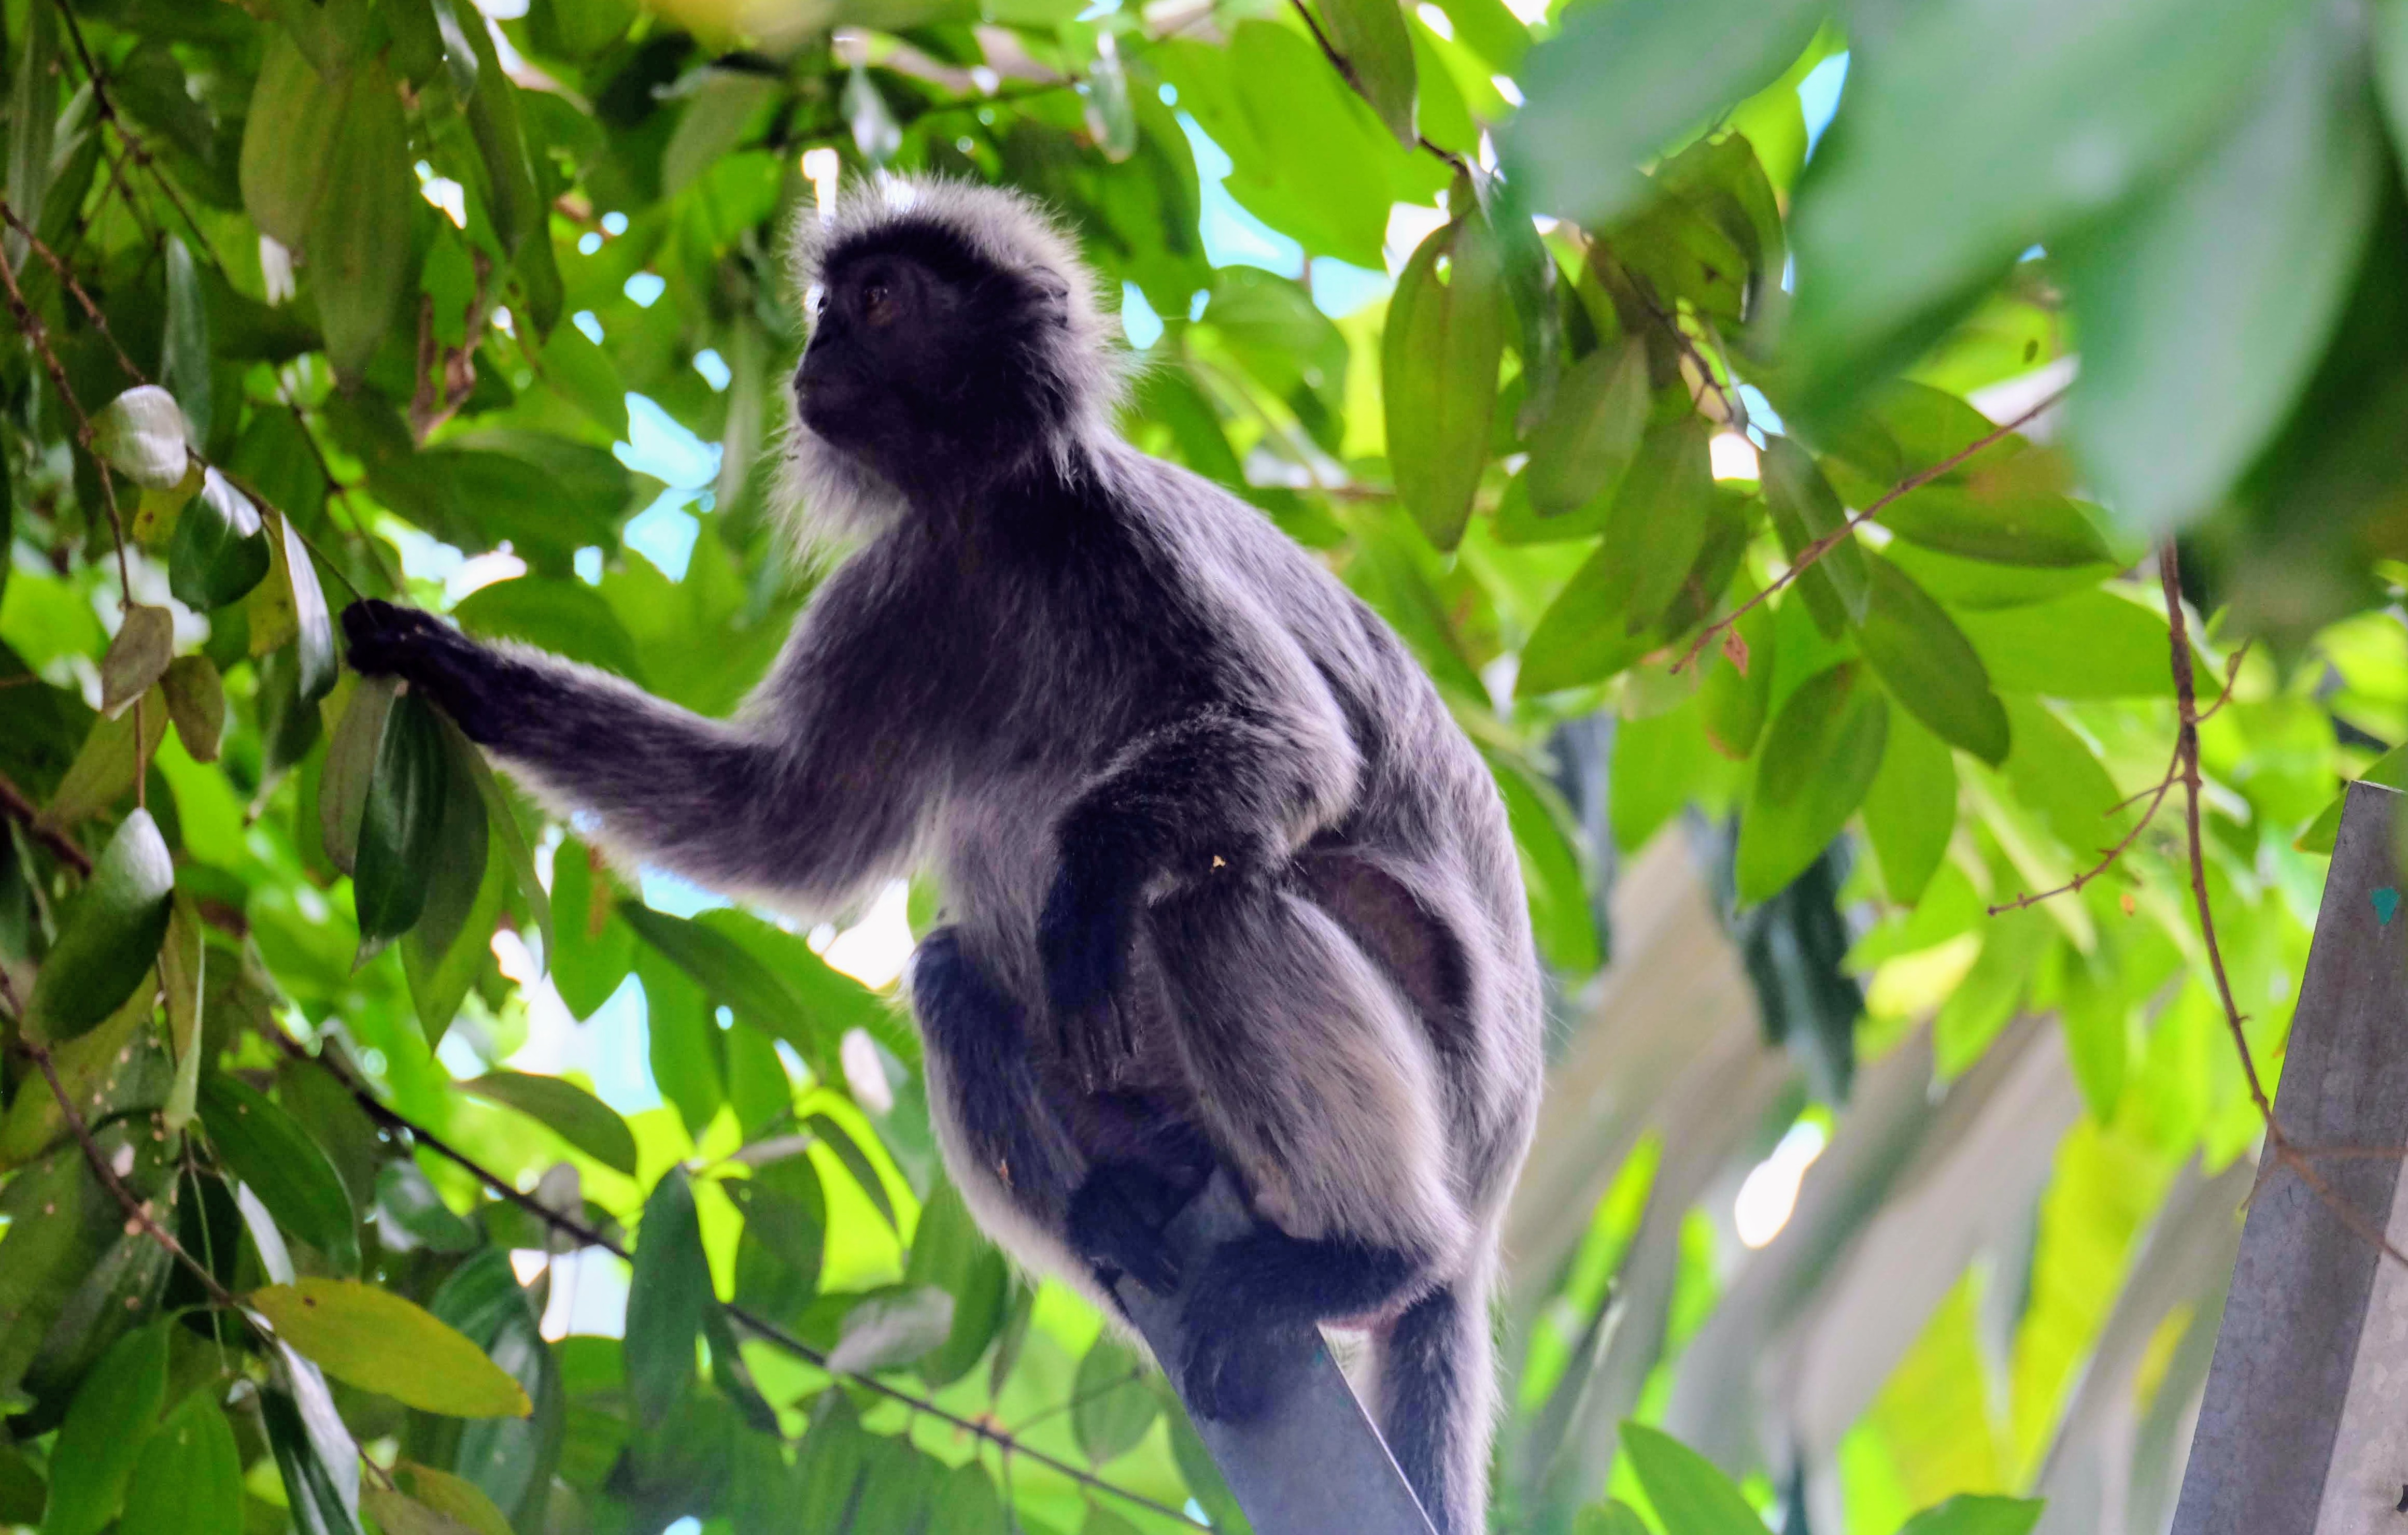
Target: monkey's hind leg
[
  {"x": 1319, "y": 1089},
  {"x": 1435, "y": 1398},
  {"x": 1010, "y": 1155},
  {"x": 1043, "y": 1167}
]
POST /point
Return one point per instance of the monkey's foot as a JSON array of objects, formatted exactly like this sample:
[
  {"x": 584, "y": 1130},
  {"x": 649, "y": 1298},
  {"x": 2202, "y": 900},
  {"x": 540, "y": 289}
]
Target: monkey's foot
[{"x": 1117, "y": 1218}]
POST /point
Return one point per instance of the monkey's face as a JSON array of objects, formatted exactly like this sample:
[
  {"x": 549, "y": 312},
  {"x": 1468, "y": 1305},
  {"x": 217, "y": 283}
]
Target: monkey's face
[{"x": 884, "y": 372}]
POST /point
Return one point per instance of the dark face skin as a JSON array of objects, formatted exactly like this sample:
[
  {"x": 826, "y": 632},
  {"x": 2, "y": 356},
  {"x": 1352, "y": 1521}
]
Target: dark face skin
[
  {"x": 921, "y": 364},
  {"x": 883, "y": 361}
]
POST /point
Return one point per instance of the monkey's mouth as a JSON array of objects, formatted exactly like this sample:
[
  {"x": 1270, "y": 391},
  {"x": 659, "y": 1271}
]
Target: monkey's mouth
[{"x": 835, "y": 407}]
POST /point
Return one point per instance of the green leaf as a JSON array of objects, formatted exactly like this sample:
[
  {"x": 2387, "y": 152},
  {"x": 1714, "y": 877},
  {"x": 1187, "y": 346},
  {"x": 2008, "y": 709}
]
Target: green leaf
[
  {"x": 189, "y": 1476},
  {"x": 405, "y": 1201},
  {"x": 111, "y": 1419},
  {"x": 1581, "y": 451},
  {"x": 1112, "y": 1405},
  {"x": 1805, "y": 511},
  {"x": 286, "y": 139},
  {"x": 455, "y": 1498},
  {"x": 184, "y": 360},
  {"x": 141, "y": 434},
  {"x": 509, "y": 1459},
  {"x": 398, "y": 1514},
  {"x": 2390, "y": 769},
  {"x": 292, "y": 587},
  {"x": 1371, "y": 35},
  {"x": 315, "y": 1456},
  {"x": 785, "y": 1231},
  {"x": 111, "y": 933},
  {"x": 2055, "y": 773},
  {"x": 33, "y": 127},
  {"x": 378, "y": 1342},
  {"x": 582, "y": 373},
  {"x": 950, "y": 1252},
  {"x": 666, "y": 1296},
  {"x": 730, "y": 975},
  {"x": 2093, "y": 644},
  {"x": 575, "y": 1114},
  {"x": 1604, "y": 619},
  {"x": 264, "y": 1147},
  {"x": 1911, "y": 809},
  {"x": 2100, "y": 106},
  {"x": 1439, "y": 354},
  {"x": 1927, "y": 664},
  {"x": 589, "y": 949},
  {"x": 1621, "y": 83},
  {"x": 2004, "y": 503},
  {"x": 1611, "y": 1517},
  {"x": 2204, "y": 308},
  {"x": 360, "y": 255},
  {"x": 195, "y": 698},
  {"x": 2093, "y": 1011},
  {"x": 1813, "y": 771},
  {"x": 685, "y": 1050},
  {"x": 102, "y": 772},
  {"x": 351, "y": 767},
  {"x": 568, "y": 618},
  {"x": 1980, "y": 585},
  {"x": 892, "y": 1327},
  {"x": 137, "y": 657},
  {"x": 401, "y": 821},
  {"x": 1689, "y": 1495},
  {"x": 220, "y": 548},
  {"x": 1554, "y": 876},
  {"x": 967, "y": 1503},
  {"x": 1735, "y": 691},
  {"x": 1970, "y": 1513},
  {"x": 507, "y": 835},
  {"x": 491, "y": 109},
  {"x": 450, "y": 943},
  {"x": 848, "y": 1151}
]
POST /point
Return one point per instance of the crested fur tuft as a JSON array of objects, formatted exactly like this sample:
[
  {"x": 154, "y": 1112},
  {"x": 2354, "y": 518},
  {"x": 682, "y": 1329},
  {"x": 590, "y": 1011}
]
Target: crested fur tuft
[{"x": 827, "y": 493}]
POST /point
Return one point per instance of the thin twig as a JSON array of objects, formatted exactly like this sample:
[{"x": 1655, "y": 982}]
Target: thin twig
[
  {"x": 1354, "y": 82},
  {"x": 1824, "y": 545},
  {"x": 21, "y": 809},
  {"x": 137, "y": 1212},
  {"x": 2156, "y": 795},
  {"x": 66, "y": 276},
  {"x": 2282, "y": 1151},
  {"x": 768, "y": 1331},
  {"x": 108, "y": 110}
]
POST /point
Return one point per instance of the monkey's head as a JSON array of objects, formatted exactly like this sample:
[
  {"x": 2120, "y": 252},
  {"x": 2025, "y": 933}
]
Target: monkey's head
[{"x": 954, "y": 335}]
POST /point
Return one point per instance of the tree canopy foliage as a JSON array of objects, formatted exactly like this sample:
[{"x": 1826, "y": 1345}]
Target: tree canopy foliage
[{"x": 1973, "y": 520}]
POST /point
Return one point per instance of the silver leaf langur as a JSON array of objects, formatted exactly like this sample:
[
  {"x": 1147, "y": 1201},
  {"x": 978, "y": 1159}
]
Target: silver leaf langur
[{"x": 1225, "y": 887}]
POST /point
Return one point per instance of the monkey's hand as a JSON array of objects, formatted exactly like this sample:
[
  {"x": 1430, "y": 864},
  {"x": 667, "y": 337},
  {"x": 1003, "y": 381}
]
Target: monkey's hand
[
  {"x": 1082, "y": 939},
  {"x": 456, "y": 672}
]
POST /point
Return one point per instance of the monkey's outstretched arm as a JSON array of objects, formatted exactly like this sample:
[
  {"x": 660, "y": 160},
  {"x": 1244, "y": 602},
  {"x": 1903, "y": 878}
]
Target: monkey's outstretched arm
[{"x": 735, "y": 806}]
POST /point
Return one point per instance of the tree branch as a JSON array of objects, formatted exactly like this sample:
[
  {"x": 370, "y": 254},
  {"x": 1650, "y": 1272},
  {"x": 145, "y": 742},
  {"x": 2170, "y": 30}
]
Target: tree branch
[
  {"x": 20, "y": 809},
  {"x": 1824, "y": 545}
]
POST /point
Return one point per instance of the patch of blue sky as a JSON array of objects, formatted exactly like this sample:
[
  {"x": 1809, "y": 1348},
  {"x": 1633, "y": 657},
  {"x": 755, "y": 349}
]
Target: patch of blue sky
[
  {"x": 1139, "y": 322},
  {"x": 666, "y": 892},
  {"x": 617, "y": 1049},
  {"x": 658, "y": 446},
  {"x": 663, "y": 532},
  {"x": 713, "y": 369},
  {"x": 1818, "y": 96},
  {"x": 645, "y": 288},
  {"x": 1234, "y": 237},
  {"x": 1760, "y": 413}
]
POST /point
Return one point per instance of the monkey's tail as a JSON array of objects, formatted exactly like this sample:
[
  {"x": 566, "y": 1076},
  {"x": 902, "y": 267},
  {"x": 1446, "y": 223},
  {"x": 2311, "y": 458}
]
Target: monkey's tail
[{"x": 1437, "y": 1397}]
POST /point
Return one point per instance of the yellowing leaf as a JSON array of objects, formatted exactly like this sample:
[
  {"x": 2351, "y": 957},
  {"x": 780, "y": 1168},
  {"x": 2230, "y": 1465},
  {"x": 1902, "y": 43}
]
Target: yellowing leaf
[{"x": 378, "y": 1342}]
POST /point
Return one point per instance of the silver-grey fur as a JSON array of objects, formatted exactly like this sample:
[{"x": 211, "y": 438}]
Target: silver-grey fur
[{"x": 1225, "y": 883}]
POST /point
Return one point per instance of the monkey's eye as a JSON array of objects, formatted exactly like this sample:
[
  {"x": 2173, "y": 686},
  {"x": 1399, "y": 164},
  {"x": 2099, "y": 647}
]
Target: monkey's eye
[{"x": 877, "y": 303}]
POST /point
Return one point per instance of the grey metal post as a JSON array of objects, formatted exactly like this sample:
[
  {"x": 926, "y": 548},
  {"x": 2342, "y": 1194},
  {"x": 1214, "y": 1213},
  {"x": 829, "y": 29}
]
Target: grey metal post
[
  {"x": 2304, "y": 1427},
  {"x": 1313, "y": 1464}
]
